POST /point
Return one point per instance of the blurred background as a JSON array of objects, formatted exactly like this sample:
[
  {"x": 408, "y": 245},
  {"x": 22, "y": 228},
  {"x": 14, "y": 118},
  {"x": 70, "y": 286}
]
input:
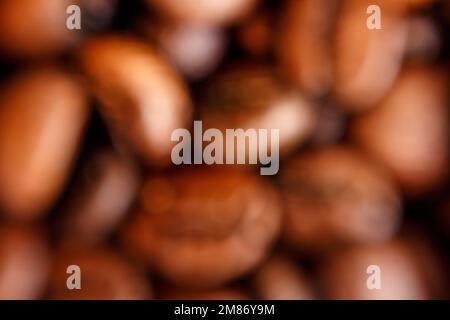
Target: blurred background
[{"x": 86, "y": 178}]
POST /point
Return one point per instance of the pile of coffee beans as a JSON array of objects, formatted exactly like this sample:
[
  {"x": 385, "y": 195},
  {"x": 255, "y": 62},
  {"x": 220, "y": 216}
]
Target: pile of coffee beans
[{"x": 93, "y": 206}]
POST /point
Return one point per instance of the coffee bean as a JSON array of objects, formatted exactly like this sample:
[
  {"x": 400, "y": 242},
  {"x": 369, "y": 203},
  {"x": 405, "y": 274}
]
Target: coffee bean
[
  {"x": 409, "y": 131},
  {"x": 334, "y": 196},
  {"x": 281, "y": 279},
  {"x": 363, "y": 54},
  {"x": 304, "y": 43},
  {"x": 42, "y": 116},
  {"x": 209, "y": 12},
  {"x": 35, "y": 28},
  {"x": 141, "y": 97},
  {"x": 104, "y": 275},
  {"x": 406, "y": 272},
  {"x": 253, "y": 97},
  {"x": 24, "y": 263},
  {"x": 101, "y": 198},
  {"x": 204, "y": 227},
  {"x": 31, "y": 29}
]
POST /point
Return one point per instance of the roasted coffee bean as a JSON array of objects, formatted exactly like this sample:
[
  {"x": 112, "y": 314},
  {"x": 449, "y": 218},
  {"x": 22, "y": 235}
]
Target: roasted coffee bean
[
  {"x": 406, "y": 271},
  {"x": 101, "y": 198},
  {"x": 253, "y": 97},
  {"x": 24, "y": 263},
  {"x": 141, "y": 97},
  {"x": 409, "y": 131},
  {"x": 362, "y": 55},
  {"x": 204, "y": 227},
  {"x": 280, "y": 279},
  {"x": 334, "y": 196},
  {"x": 209, "y": 12},
  {"x": 194, "y": 50},
  {"x": 42, "y": 116},
  {"x": 304, "y": 43},
  {"x": 104, "y": 275},
  {"x": 36, "y": 28},
  {"x": 228, "y": 293}
]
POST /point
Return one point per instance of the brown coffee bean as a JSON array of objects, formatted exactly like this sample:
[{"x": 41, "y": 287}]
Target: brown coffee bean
[
  {"x": 42, "y": 116},
  {"x": 409, "y": 131},
  {"x": 280, "y": 279},
  {"x": 104, "y": 276},
  {"x": 141, "y": 97},
  {"x": 252, "y": 97},
  {"x": 193, "y": 49},
  {"x": 204, "y": 227},
  {"x": 227, "y": 293},
  {"x": 35, "y": 27},
  {"x": 101, "y": 197},
  {"x": 406, "y": 272},
  {"x": 334, "y": 196},
  {"x": 304, "y": 43},
  {"x": 209, "y": 12},
  {"x": 24, "y": 263},
  {"x": 362, "y": 55}
]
